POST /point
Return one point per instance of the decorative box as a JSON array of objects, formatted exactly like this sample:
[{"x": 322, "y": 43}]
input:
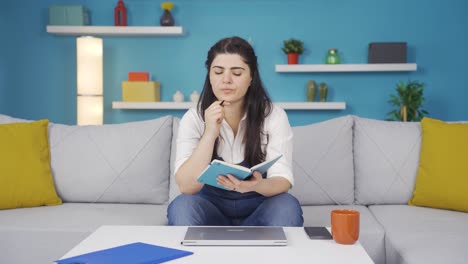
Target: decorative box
[
  {"x": 387, "y": 52},
  {"x": 68, "y": 15},
  {"x": 141, "y": 91},
  {"x": 138, "y": 76}
]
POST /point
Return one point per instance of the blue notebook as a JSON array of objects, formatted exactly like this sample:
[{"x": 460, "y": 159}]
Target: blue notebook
[
  {"x": 135, "y": 253},
  {"x": 218, "y": 167}
]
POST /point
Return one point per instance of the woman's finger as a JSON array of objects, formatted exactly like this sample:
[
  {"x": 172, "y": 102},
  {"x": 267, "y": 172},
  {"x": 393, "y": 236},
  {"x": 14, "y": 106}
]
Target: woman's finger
[
  {"x": 234, "y": 180},
  {"x": 223, "y": 180}
]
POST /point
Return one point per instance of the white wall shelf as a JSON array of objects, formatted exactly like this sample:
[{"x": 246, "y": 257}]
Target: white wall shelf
[
  {"x": 152, "y": 105},
  {"x": 312, "y": 105},
  {"x": 114, "y": 31},
  {"x": 187, "y": 105},
  {"x": 377, "y": 67}
]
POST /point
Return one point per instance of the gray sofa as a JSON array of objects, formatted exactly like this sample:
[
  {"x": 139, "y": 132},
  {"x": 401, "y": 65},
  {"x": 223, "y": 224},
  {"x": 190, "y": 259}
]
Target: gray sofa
[{"x": 122, "y": 175}]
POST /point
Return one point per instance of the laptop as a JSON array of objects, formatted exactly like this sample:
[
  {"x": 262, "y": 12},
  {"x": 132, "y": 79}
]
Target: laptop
[{"x": 234, "y": 236}]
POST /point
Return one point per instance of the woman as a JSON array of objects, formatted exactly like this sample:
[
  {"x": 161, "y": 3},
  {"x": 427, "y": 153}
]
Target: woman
[{"x": 234, "y": 121}]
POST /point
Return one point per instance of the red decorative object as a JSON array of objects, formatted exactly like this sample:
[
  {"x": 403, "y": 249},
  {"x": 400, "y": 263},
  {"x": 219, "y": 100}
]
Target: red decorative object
[
  {"x": 293, "y": 58},
  {"x": 120, "y": 14},
  {"x": 138, "y": 76}
]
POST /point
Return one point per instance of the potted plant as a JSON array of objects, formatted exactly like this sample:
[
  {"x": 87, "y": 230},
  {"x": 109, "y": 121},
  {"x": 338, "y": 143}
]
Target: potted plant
[
  {"x": 293, "y": 48},
  {"x": 408, "y": 101}
]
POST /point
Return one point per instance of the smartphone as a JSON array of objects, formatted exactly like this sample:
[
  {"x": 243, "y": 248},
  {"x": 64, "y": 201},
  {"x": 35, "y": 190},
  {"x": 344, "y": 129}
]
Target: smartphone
[{"x": 317, "y": 232}]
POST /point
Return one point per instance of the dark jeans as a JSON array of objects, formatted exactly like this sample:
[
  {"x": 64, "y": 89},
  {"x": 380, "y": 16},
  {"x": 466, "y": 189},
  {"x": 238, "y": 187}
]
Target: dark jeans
[{"x": 218, "y": 207}]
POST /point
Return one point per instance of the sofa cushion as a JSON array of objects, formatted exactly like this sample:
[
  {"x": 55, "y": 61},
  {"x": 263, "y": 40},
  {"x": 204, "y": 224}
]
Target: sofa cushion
[
  {"x": 371, "y": 234},
  {"x": 173, "y": 188},
  {"x": 443, "y": 171},
  {"x": 423, "y": 235},
  {"x": 323, "y": 157},
  {"x": 91, "y": 216},
  {"x": 386, "y": 156},
  {"x": 25, "y": 173},
  {"x": 37, "y": 246},
  {"x": 118, "y": 163},
  {"x": 4, "y": 119},
  {"x": 123, "y": 163},
  {"x": 315, "y": 172},
  {"x": 46, "y": 233}
]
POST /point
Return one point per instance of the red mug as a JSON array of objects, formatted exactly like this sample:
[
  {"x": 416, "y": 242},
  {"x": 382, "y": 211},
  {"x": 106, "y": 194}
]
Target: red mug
[{"x": 345, "y": 226}]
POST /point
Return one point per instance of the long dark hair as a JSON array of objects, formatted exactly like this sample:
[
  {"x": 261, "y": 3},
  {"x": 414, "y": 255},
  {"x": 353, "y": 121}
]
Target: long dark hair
[{"x": 257, "y": 103}]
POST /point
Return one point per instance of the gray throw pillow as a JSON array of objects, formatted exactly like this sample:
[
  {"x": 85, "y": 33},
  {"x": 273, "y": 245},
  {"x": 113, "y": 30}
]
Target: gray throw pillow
[
  {"x": 173, "y": 188},
  {"x": 386, "y": 158},
  {"x": 323, "y": 162}
]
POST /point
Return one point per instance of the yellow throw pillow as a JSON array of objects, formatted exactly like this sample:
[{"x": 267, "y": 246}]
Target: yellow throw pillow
[
  {"x": 25, "y": 173},
  {"x": 442, "y": 180}
]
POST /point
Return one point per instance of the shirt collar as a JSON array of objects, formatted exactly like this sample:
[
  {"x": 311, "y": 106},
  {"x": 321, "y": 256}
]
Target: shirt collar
[{"x": 244, "y": 117}]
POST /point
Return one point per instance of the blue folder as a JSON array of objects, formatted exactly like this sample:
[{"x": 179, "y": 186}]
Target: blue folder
[{"x": 135, "y": 253}]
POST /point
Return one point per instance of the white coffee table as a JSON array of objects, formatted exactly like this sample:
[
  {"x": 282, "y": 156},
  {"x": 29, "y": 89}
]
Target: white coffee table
[{"x": 300, "y": 248}]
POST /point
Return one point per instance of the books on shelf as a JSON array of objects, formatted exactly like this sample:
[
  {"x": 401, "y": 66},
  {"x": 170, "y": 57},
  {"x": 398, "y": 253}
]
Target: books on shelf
[{"x": 219, "y": 167}]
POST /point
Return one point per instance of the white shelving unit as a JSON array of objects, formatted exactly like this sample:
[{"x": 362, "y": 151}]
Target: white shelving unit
[
  {"x": 187, "y": 105},
  {"x": 377, "y": 67},
  {"x": 114, "y": 31}
]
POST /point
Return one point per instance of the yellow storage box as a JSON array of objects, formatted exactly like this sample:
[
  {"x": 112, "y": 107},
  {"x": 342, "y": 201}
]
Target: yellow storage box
[{"x": 141, "y": 91}]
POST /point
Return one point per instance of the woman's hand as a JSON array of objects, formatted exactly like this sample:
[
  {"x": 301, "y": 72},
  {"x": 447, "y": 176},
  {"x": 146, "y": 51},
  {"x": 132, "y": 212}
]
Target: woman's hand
[
  {"x": 214, "y": 116},
  {"x": 233, "y": 184}
]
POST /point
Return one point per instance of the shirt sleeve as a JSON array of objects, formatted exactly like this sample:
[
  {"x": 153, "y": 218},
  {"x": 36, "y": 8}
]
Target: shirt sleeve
[
  {"x": 280, "y": 141},
  {"x": 189, "y": 134}
]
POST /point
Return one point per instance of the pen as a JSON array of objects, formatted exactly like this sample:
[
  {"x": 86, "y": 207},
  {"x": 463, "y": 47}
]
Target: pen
[{"x": 222, "y": 102}]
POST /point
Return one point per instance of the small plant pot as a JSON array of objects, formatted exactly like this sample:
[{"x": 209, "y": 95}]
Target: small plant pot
[{"x": 293, "y": 58}]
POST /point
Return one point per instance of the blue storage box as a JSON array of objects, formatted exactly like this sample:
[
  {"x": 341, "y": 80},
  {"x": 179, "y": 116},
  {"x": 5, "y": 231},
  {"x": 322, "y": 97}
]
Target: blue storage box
[{"x": 68, "y": 15}]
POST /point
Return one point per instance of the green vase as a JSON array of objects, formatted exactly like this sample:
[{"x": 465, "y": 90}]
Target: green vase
[
  {"x": 332, "y": 57},
  {"x": 323, "y": 92},
  {"x": 311, "y": 90}
]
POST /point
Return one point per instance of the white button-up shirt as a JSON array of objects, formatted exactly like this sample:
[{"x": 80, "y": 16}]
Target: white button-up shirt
[{"x": 231, "y": 148}]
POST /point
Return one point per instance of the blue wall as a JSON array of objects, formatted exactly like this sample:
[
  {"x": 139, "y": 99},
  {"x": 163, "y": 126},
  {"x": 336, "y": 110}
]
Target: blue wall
[
  {"x": 42, "y": 67},
  {"x": 3, "y": 95},
  {"x": 3, "y": 90}
]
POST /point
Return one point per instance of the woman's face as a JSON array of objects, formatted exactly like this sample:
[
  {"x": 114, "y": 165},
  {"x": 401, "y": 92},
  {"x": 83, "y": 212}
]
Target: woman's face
[{"x": 229, "y": 77}]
